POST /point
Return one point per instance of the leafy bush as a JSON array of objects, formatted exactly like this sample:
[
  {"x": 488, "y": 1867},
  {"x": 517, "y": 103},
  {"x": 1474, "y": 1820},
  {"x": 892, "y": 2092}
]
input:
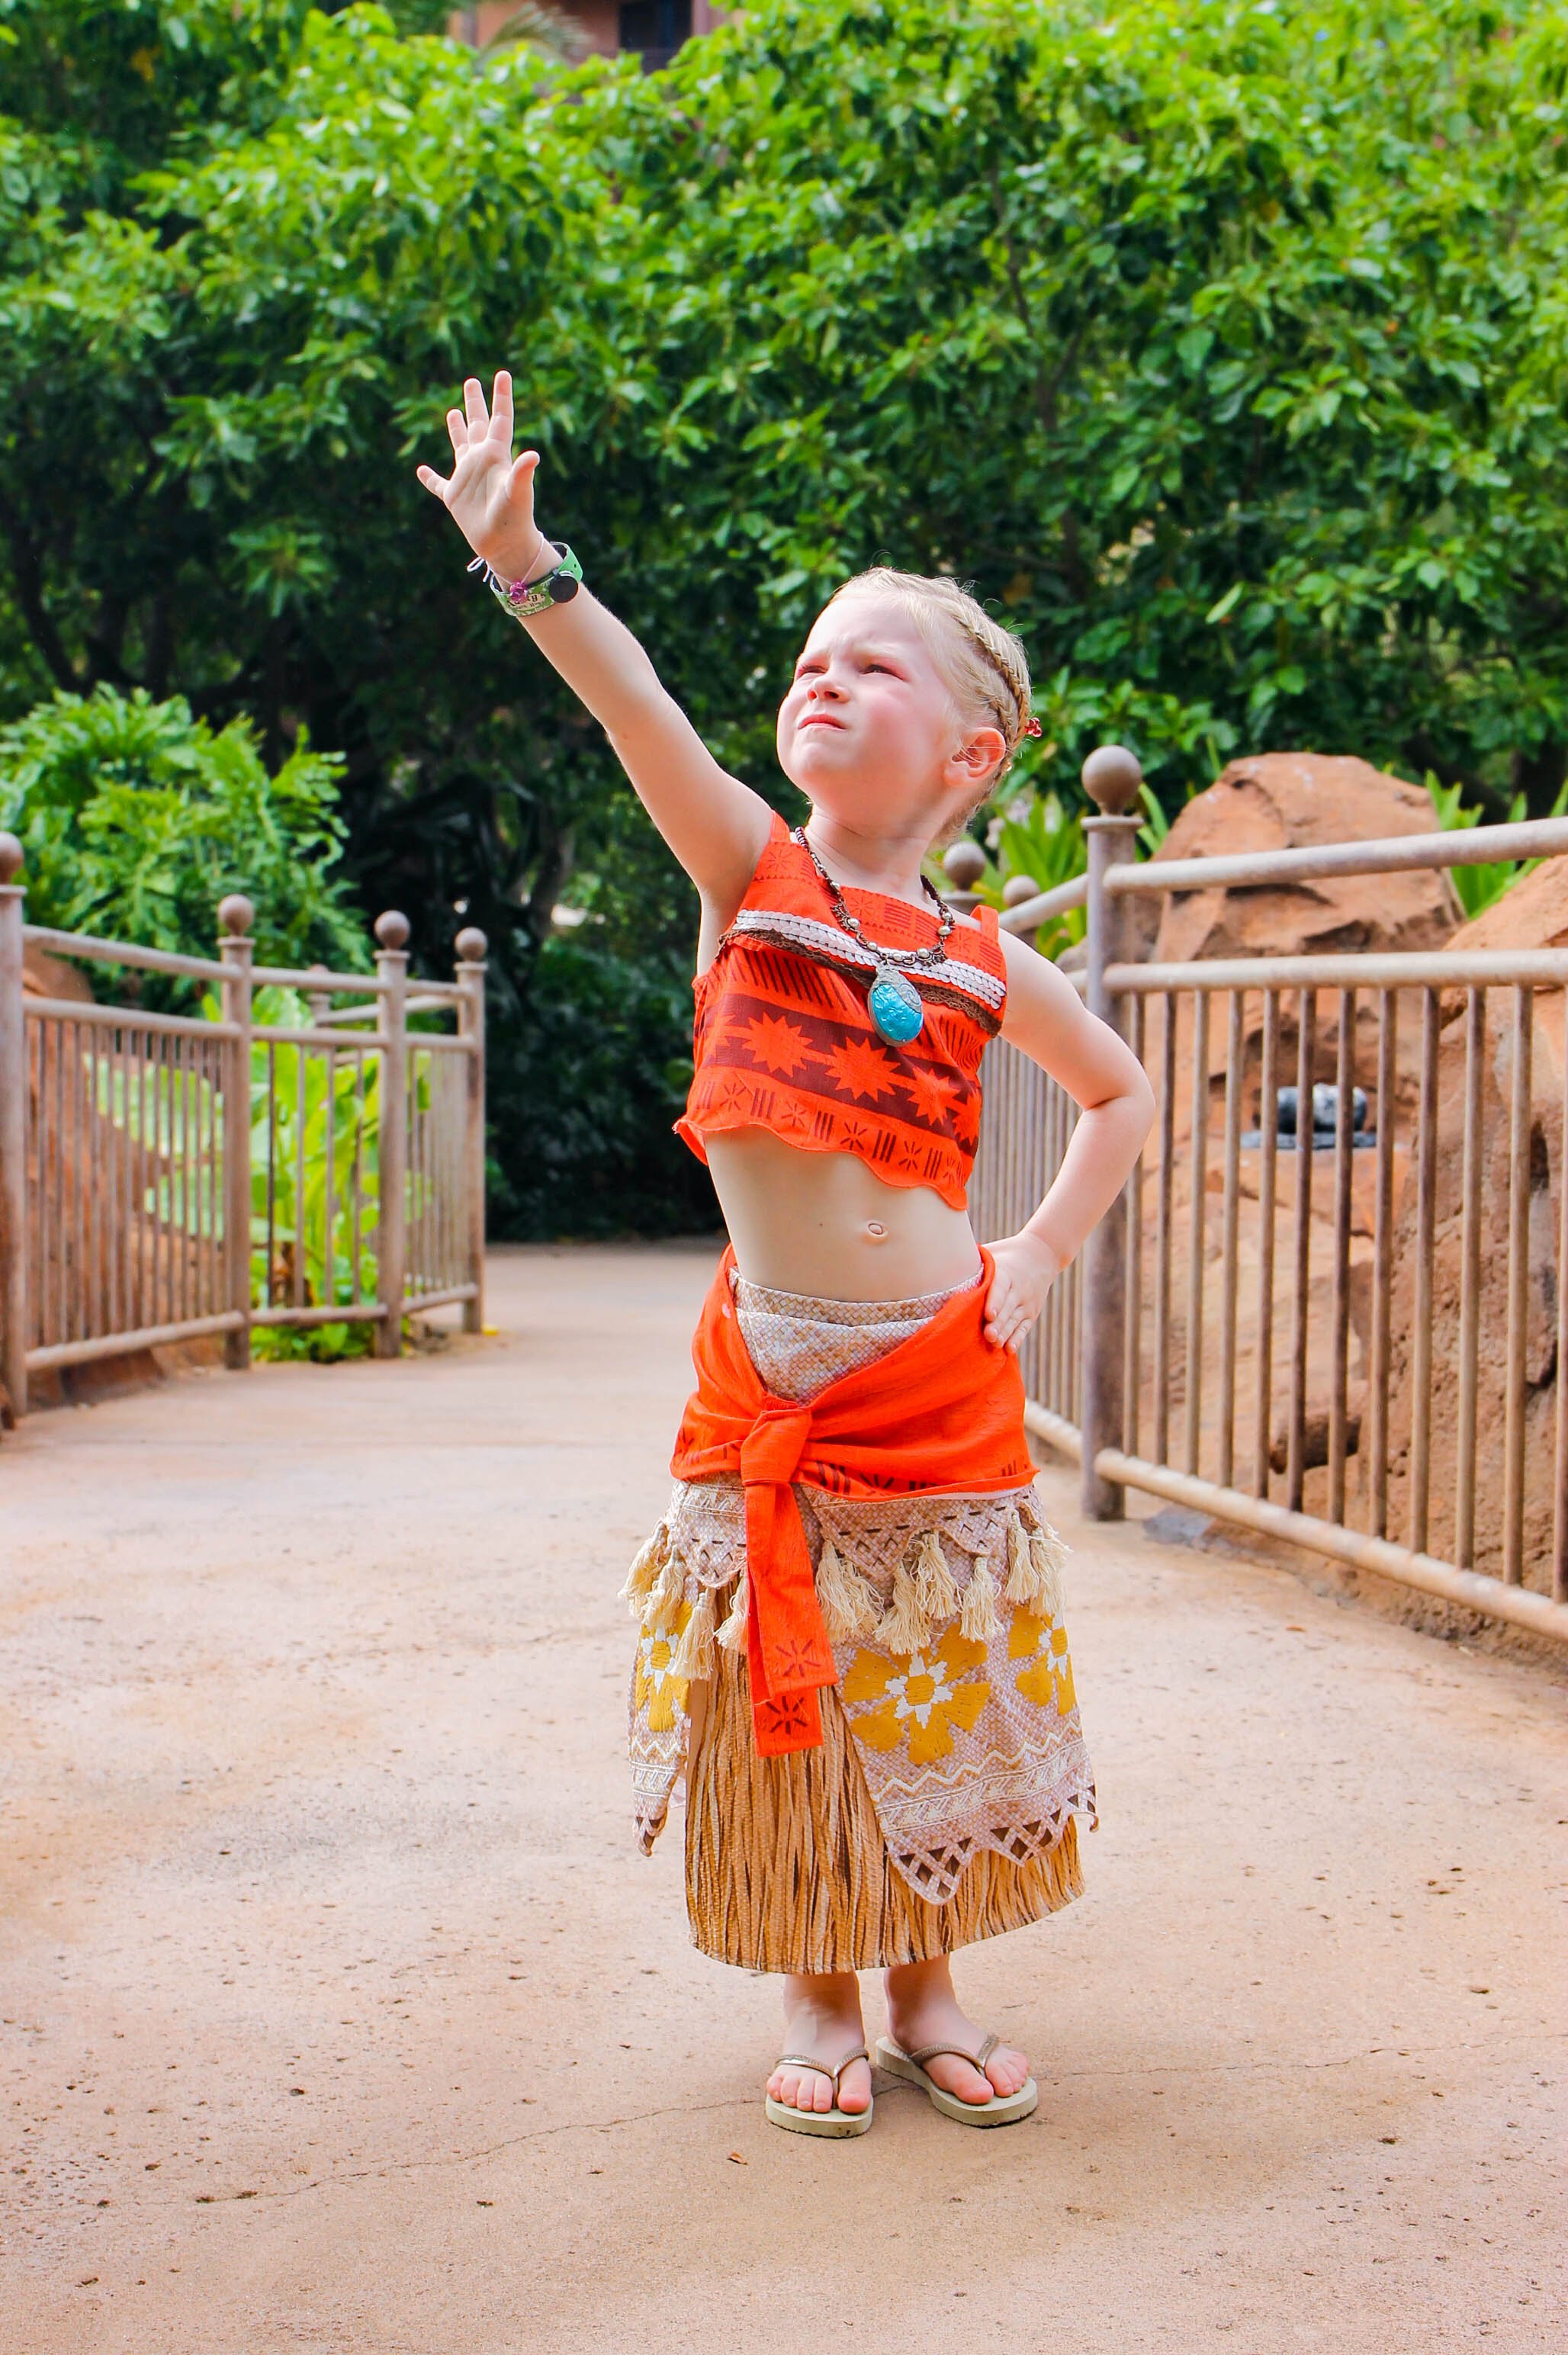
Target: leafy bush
[
  {"x": 137, "y": 819},
  {"x": 1480, "y": 886},
  {"x": 585, "y": 1082},
  {"x": 303, "y": 1133}
]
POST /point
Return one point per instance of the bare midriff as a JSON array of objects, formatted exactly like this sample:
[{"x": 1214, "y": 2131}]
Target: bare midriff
[{"x": 824, "y": 1224}]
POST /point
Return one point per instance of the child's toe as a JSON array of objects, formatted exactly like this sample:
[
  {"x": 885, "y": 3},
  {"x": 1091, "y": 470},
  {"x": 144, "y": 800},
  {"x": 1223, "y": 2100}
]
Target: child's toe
[
  {"x": 1007, "y": 2072},
  {"x": 855, "y": 2090}
]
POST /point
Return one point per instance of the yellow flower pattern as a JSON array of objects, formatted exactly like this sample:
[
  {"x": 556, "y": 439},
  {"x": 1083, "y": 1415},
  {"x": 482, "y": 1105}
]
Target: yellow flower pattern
[
  {"x": 1047, "y": 1678},
  {"x": 658, "y": 1696},
  {"x": 919, "y": 1698}
]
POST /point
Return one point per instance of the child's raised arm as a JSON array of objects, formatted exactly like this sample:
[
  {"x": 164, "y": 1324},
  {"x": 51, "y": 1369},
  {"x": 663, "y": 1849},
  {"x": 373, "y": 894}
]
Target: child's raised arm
[{"x": 715, "y": 824}]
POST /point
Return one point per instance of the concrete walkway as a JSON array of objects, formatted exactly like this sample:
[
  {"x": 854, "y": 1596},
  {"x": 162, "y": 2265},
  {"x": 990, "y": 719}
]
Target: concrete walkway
[{"x": 340, "y": 2013}]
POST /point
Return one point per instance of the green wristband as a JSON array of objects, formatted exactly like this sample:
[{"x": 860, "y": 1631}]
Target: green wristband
[{"x": 524, "y": 599}]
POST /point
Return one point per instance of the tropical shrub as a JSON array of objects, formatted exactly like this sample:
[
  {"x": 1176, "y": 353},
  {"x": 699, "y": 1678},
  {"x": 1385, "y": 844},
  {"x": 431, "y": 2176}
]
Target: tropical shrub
[{"x": 136, "y": 820}]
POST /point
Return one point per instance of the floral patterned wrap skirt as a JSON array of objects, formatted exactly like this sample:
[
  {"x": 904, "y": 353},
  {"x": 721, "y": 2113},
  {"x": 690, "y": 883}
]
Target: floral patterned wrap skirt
[{"x": 942, "y": 1804}]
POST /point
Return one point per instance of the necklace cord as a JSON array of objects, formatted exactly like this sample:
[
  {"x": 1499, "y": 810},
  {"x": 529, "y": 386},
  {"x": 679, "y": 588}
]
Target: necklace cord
[{"x": 920, "y": 959}]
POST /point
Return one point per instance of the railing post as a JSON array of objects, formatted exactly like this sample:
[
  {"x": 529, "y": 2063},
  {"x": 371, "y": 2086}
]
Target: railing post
[
  {"x": 237, "y": 952},
  {"x": 13, "y": 1135},
  {"x": 471, "y": 948},
  {"x": 1015, "y": 892},
  {"x": 963, "y": 865},
  {"x": 392, "y": 1132},
  {"x": 1111, "y": 778}
]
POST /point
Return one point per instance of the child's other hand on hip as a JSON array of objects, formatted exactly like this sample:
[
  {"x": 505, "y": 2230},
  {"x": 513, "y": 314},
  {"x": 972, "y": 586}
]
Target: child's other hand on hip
[{"x": 1024, "y": 1268}]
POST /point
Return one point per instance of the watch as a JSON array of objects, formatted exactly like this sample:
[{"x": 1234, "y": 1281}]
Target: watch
[{"x": 524, "y": 599}]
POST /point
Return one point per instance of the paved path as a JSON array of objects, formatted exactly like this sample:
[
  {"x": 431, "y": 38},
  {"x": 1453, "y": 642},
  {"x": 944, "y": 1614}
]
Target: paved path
[{"x": 341, "y": 2014}]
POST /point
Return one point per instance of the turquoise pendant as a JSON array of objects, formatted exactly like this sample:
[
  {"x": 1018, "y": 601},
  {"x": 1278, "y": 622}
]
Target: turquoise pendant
[{"x": 895, "y": 1006}]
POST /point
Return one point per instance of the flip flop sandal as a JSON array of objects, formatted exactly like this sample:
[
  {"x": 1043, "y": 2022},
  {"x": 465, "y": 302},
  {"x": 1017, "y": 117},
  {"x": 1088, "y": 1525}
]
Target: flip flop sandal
[
  {"x": 820, "y": 2122},
  {"x": 1001, "y": 2110}
]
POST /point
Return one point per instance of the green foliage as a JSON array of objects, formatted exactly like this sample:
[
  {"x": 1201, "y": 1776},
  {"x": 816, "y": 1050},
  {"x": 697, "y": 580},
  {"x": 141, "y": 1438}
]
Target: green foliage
[
  {"x": 1479, "y": 886},
  {"x": 1223, "y": 346},
  {"x": 600, "y": 1077},
  {"x": 306, "y": 1130},
  {"x": 137, "y": 819},
  {"x": 1042, "y": 837},
  {"x": 1158, "y": 819}
]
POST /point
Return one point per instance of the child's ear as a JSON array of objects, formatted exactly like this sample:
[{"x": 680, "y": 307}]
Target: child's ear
[{"x": 983, "y": 754}]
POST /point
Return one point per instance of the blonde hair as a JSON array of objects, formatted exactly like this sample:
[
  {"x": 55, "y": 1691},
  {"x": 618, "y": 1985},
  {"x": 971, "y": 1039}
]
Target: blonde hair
[{"x": 984, "y": 667}]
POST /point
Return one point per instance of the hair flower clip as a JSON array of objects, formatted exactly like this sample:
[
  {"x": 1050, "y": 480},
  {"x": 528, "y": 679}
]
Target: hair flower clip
[{"x": 1031, "y": 726}]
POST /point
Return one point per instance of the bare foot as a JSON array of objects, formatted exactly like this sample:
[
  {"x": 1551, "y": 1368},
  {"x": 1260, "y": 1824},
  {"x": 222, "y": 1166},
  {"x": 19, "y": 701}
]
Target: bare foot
[
  {"x": 822, "y": 2021},
  {"x": 922, "y": 2009}
]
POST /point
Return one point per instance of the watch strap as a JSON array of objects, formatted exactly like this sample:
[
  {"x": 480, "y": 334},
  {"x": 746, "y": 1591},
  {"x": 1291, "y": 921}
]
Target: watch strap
[{"x": 522, "y": 599}]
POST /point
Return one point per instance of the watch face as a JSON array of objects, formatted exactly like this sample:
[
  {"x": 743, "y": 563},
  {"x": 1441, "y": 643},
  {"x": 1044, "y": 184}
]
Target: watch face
[{"x": 563, "y": 589}]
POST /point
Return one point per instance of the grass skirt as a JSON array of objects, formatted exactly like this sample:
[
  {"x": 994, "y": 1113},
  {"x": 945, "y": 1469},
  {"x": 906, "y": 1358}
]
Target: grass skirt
[{"x": 786, "y": 1867}]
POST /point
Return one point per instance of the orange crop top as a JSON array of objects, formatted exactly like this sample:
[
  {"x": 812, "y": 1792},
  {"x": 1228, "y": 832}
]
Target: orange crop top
[{"x": 785, "y": 1040}]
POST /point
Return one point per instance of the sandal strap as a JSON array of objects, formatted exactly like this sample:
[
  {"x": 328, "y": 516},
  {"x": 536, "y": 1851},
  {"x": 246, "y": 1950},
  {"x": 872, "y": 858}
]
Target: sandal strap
[
  {"x": 977, "y": 2060},
  {"x": 806, "y": 2061}
]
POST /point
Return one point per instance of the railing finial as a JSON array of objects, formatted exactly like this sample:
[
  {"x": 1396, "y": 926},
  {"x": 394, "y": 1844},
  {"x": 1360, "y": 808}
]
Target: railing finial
[
  {"x": 392, "y": 930},
  {"x": 471, "y": 945},
  {"x": 1112, "y": 778},
  {"x": 236, "y": 914},
  {"x": 11, "y": 857},
  {"x": 965, "y": 864}
]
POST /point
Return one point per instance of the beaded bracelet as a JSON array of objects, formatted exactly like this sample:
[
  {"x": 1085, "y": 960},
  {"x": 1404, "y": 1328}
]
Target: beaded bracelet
[{"x": 524, "y": 599}]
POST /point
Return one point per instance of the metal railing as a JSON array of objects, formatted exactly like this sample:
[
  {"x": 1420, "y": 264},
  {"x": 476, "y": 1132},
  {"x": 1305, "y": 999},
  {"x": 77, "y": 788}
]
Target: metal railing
[
  {"x": 267, "y": 1162},
  {"x": 1350, "y": 1331}
]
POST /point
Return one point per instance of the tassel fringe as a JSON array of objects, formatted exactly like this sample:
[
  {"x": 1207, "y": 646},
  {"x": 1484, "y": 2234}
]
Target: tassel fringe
[
  {"x": 1046, "y": 1550},
  {"x": 925, "y": 1595},
  {"x": 693, "y": 1658},
  {"x": 904, "y": 1631},
  {"x": 935, "y": 1584},
  {"x": 731, "y": 1637},
  {"x": 645, "y": 1570},
  {"x": 1019, "y": 1587},
  {"x": 847, "y": 1597},
  {"x": 979, "y": 1621},
  {"x": 666, "y": 1597}
]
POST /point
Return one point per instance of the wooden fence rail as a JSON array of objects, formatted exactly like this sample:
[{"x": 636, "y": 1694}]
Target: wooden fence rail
[{"x": 267, "y": 1162}]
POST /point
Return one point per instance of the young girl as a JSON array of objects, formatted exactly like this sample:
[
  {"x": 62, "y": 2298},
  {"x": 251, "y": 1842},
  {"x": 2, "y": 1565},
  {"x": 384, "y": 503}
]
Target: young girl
[{"x": 850, "y": 1622}]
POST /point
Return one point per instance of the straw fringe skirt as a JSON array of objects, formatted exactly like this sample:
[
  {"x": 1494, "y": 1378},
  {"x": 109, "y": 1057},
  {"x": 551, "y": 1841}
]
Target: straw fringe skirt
[{"x": 786, "y": 1867}]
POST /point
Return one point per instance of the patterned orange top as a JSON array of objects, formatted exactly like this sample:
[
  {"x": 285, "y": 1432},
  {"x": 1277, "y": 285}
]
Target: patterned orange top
[{"x": 785, "y": 1040}]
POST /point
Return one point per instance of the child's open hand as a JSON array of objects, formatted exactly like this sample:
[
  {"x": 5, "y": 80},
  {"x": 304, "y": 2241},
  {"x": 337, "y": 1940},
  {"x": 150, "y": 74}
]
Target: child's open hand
[
  {"x": 1024, "y": 1269},
  {"x": 489, "y": 498}
]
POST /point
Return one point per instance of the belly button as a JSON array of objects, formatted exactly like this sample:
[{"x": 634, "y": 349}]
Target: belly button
[{"x": 877, "y": 1232}]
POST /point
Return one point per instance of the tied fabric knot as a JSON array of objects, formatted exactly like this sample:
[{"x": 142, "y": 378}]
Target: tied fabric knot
[
  {"x": 787, "y": 1650},
  {"x": 771, "y": 1449},
  {"x": 940, "y": 1415}
]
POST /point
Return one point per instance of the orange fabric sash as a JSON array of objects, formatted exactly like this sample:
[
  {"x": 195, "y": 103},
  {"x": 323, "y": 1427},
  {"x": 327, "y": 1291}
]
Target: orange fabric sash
[{"x": 941, "y": 1415}]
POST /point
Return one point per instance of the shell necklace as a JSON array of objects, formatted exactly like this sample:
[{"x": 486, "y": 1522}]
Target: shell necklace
[{"x": 893, "y": 1000}]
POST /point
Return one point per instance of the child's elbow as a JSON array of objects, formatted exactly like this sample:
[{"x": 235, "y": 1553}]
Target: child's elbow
[{"x": 1141, "y": 1104}]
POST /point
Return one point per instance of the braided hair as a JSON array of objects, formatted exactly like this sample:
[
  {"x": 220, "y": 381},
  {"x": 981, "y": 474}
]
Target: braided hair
[{"x": 984, "y": 665}]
